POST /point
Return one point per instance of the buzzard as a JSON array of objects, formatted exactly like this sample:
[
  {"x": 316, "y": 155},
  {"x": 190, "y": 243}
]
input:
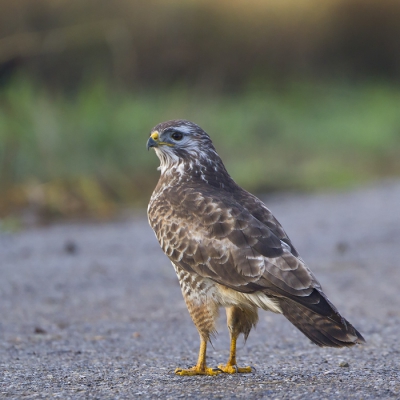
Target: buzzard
[{"x": 228, "y": 250}]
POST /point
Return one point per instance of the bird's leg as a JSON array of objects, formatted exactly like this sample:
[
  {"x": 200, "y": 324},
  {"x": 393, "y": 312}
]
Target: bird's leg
[
  {"x": 235, "y": 323},
  {"x": 200, "y": 368},
  {"x": 231, "y": 366}
]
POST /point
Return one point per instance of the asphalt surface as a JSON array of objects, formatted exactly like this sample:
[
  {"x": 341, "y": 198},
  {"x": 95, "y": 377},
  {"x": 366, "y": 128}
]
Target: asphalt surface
[{"x": 95, "y": 310}]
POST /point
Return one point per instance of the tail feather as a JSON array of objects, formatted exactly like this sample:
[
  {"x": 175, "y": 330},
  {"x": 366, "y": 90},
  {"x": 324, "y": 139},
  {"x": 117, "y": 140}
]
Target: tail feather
[{"x": 324, "y": 330}]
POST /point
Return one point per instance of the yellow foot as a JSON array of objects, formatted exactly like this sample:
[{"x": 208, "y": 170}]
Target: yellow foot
[
  {"x": 197, "y": 371},
  {"x": 234, "y": 369}
]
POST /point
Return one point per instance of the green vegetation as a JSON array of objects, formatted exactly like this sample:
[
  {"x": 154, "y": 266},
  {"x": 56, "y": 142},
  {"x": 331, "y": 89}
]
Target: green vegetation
[
  {"x": 248, "y": 72},
  {"x": 84, "y": 154}
]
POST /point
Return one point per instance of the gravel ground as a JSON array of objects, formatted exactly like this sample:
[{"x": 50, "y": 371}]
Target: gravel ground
[{"x": 95, "y": 310}]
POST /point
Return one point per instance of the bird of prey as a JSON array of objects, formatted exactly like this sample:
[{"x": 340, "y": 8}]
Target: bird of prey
[{"x": 228, "y": 250}]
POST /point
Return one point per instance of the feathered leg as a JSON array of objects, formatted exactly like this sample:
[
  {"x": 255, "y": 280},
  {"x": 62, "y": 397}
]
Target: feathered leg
[
  {"x": 239, "y": 321},
  {"x": 204, "y": 311}
]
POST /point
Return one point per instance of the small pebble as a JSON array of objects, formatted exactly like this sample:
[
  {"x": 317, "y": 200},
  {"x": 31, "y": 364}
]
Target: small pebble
[
  {"x": 70, "y": 247},
  {"x": 40, "y": 331},
  {"x": 342, "y": 247},
  {"x": 344, "y": 364}
]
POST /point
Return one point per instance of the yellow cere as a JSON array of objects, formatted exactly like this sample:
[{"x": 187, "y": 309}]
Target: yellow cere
[{"x": 154, "y": 135}]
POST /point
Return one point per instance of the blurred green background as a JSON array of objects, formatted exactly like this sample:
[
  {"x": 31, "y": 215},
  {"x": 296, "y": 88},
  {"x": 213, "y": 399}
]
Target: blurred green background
[{"x": 297, "y": 95}]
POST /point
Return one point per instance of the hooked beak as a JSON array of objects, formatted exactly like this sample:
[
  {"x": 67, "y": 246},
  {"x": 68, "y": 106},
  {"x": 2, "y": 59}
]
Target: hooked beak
[{"x": 153, "y": 140}]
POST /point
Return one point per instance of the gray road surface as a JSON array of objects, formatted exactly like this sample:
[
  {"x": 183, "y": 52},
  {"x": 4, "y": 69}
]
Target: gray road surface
[{"x": 95, "y": 310}]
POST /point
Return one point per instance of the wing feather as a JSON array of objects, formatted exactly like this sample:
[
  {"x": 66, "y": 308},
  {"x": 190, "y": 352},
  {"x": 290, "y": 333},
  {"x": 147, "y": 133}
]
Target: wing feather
[{"x": 220, "y": 239}]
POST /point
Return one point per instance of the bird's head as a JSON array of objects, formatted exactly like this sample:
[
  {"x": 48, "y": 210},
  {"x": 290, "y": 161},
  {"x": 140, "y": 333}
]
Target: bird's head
[{"x": 179, "y": 141}]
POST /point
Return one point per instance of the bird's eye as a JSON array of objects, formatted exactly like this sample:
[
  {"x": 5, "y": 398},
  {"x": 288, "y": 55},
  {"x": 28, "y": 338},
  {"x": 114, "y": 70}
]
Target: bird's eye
[{"x": 177, "y": 136}]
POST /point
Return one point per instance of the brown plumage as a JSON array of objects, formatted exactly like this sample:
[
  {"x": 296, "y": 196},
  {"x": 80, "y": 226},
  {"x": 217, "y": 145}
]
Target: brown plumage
[{"x": 229, "y": 250}]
